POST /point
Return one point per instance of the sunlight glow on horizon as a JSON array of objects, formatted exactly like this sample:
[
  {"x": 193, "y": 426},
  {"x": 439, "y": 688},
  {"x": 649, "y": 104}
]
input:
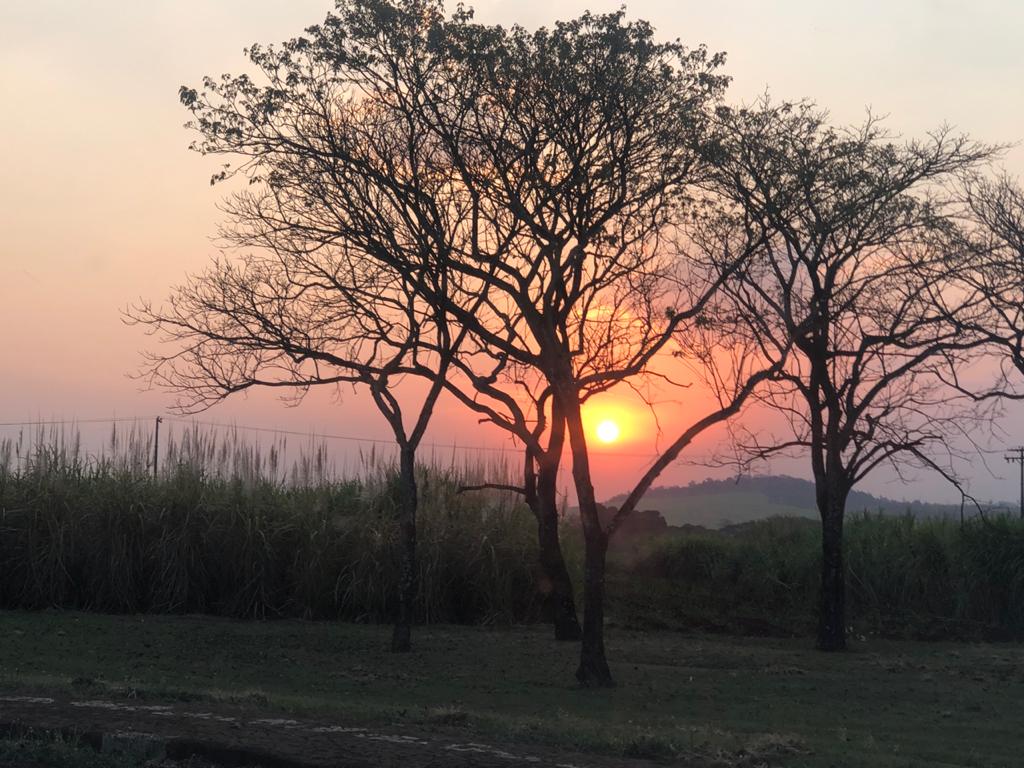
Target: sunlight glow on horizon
[
  {"x": 607, "y": 431},
  {"x": 111, "y": 206}
]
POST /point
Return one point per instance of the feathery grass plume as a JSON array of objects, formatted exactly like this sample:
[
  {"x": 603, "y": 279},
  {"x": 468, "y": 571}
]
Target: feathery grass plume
[
  {"x": 229, "y": 528},
  {"x": 236, "y": 528}
]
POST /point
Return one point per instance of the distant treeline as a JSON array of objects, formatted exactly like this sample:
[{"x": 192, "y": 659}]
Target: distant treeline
[{"x": 719, "y": 502}]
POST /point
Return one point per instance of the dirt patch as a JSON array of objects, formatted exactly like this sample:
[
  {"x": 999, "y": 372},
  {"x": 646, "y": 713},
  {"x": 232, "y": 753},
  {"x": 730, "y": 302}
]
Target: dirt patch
[{"x": 240, "y": 736}]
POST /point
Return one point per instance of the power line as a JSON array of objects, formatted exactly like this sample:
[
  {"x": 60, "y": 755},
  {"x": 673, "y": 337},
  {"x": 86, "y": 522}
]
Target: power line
[
  {"x": 60, "y": 422},
  {"x": 271, "y": 430},
  {"x": 298, "y": 433},
  {"x": 329, "y": 436},
  {"x": 379, "y": 441}
]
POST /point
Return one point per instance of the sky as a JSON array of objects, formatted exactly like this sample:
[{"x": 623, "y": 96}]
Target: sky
[{"x": 101, "y": 202}]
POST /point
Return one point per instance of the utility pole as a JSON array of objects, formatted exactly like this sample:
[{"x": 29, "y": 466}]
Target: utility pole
[
  {"x": 156, "y": 446},
  {"x": 1017, "y": 457}
]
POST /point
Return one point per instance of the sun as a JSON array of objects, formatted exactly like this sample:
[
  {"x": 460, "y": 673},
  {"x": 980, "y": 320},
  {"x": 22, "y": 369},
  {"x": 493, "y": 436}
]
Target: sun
[{"x": 607, "y": 431}]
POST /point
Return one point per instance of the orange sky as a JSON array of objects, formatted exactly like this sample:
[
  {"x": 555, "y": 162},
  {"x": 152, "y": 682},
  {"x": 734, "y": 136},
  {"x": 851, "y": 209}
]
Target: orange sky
[{"x": 101, "y": 202}]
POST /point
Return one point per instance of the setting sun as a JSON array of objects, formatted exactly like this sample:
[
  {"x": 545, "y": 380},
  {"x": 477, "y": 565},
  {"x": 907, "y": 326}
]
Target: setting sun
[{"x": 607, "y": 431}]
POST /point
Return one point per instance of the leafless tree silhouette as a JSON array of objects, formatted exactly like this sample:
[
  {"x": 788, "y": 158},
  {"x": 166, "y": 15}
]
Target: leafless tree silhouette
[
  {"x": 582, "y": 146},
  {"x": 856, "y": 282},
  {"x": 996, "y": 209},
  {"x": 350, "y": 214},
  {"x": 520, "y": 195}
]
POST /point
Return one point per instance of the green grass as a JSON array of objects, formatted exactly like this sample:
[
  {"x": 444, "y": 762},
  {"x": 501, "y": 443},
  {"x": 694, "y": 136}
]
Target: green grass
[
  {"x": 42, "y": 751},
  {"x": 46, "y": 750},
  {"x": 706, "y": 698}
]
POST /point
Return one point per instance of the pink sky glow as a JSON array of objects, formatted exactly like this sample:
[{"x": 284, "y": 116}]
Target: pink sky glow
[{"x": 101, "y": 201}]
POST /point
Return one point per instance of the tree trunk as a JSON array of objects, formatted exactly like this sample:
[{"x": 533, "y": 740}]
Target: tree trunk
[
  {"x": 401, "y": 639},
  {"x": 559, "y": 601},
  {"x": 593, "y": 669},
  {"x": 832, "y": 605}
]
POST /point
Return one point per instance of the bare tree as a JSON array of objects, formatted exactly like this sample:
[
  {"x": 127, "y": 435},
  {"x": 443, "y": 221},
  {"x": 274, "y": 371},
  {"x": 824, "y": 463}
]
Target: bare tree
[
  {"x": 522, "y": 186},
  {"x": 334, "y": 142},
  {"x": 581, "y": 144},
  {"x": 996, "y": 244},
  {"x": 855, "y": 282},
  {"x": 351, "y": 215}
]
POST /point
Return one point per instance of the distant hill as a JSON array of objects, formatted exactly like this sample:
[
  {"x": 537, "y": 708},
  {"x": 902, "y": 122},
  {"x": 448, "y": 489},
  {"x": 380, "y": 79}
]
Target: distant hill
[{"x": 716, "y": 503}]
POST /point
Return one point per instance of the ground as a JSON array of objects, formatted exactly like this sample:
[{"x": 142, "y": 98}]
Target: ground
[{"x": 696, "y": 700}]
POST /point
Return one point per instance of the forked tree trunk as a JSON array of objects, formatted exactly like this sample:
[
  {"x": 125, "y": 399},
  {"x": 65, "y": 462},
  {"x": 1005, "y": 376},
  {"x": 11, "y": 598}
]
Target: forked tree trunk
[
  {"x": 401, "y": 638},
  {"x": 832, "y": 604},
  {"x": 559, "y": 601}
]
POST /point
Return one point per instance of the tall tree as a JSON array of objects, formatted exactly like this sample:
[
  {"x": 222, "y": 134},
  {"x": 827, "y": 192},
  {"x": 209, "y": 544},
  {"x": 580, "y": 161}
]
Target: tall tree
[
  {"x": 304, "y": 131},
  {"x": 540, "y": 176},
  {"x": 853, "y": 281},
  {"x": 351, "y": 215},
  {"x": 581, "y": 144}
]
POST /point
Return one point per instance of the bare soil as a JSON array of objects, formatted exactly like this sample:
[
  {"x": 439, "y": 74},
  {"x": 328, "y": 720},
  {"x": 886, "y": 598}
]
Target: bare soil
[{"x": 228, "y": 735}]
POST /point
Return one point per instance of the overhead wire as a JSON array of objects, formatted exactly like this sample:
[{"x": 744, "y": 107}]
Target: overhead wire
[{"x": 296, "y": 433}]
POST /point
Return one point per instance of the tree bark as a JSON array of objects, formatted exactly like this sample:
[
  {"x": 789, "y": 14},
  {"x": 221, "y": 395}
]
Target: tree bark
[
  {"x": 559, "y": 600},
  {"x": 401, "y": 638},
  {"x": 593, "y": 669},
  {"x": 832, "y": 604}
]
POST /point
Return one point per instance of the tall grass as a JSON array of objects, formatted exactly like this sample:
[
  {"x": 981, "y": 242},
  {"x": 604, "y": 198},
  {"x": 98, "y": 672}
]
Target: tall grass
[
  {"x": 227, "y": 528},
  {"x": 241, "y": 529},
  {"x": 921, "y": 578}
]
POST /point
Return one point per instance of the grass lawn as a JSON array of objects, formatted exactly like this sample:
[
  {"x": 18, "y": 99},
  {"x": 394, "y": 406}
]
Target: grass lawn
[{"x": 714, "y": 699}]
